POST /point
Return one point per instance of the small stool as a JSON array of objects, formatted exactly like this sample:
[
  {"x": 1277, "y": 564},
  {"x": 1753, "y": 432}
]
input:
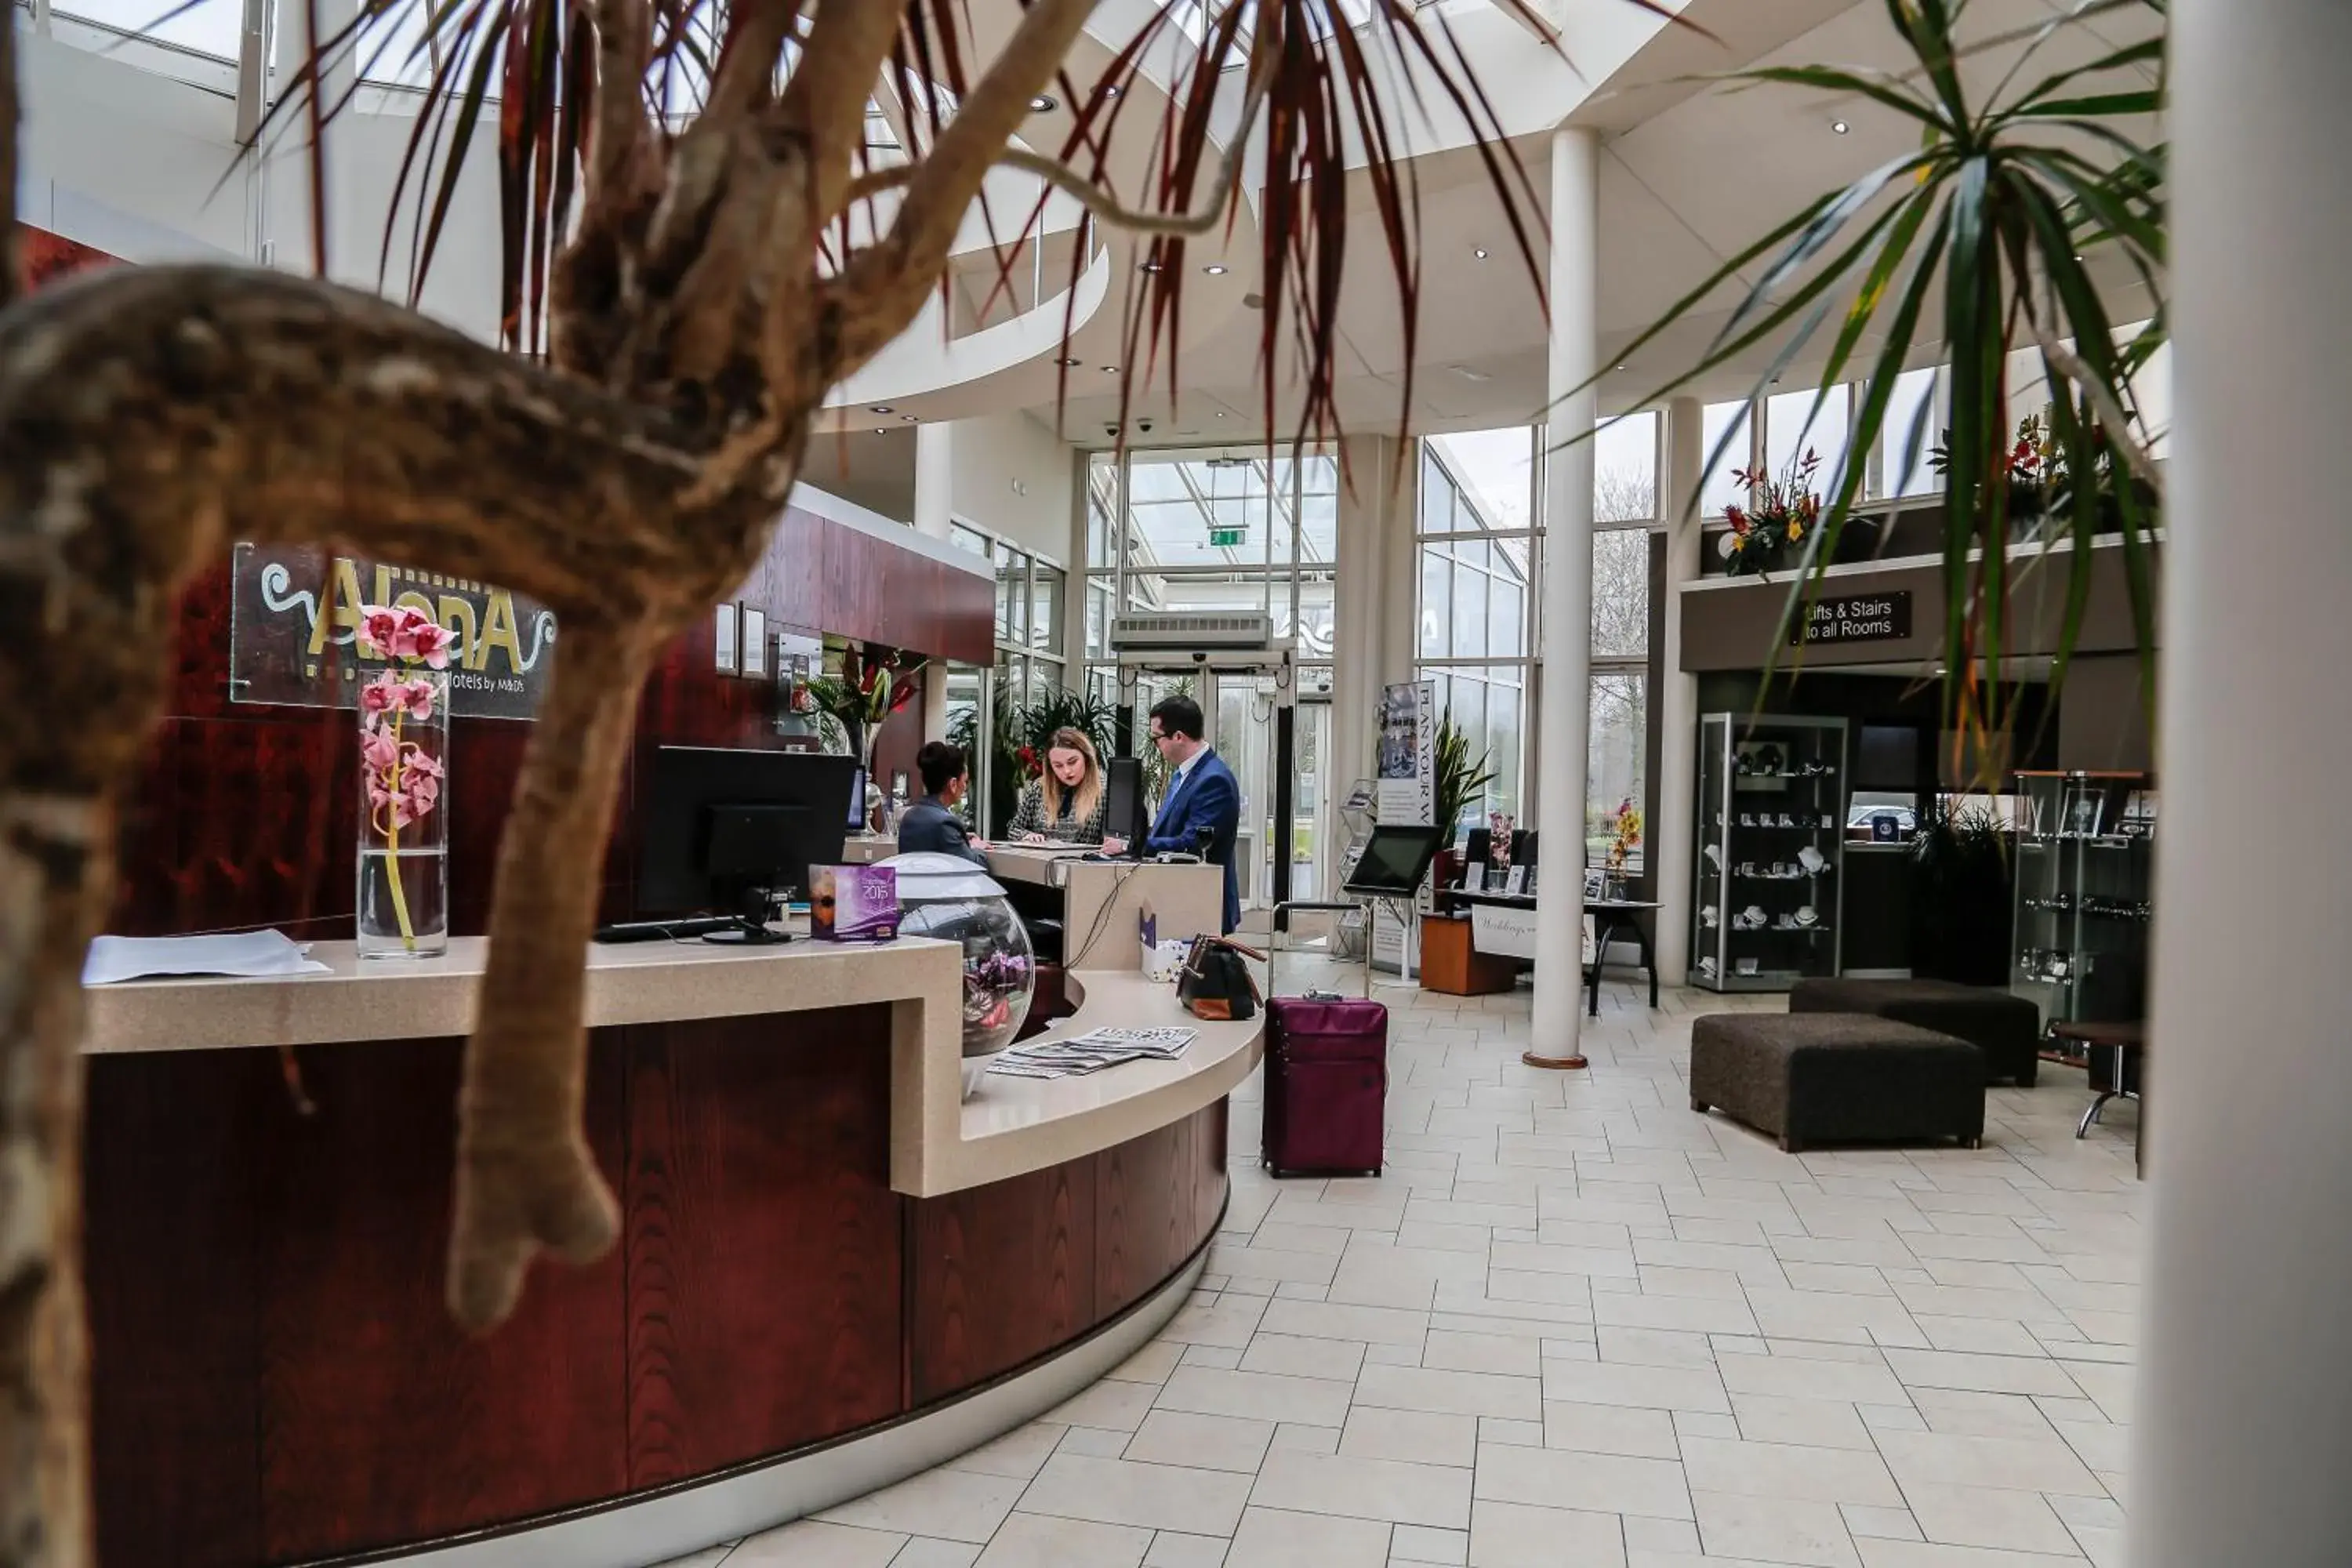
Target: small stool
[
  {"x": 1817, "y": 1078},
  {"x": 2006, "y": 1029}
]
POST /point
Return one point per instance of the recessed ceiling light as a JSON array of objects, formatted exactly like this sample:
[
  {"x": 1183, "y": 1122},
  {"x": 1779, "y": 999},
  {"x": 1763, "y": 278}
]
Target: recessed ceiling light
[
  {"x": 1148, "y": 267},
  {"x": 879, "y": 409},
  {"x": 907, "y": 419},
  {"x": 1623, "y": 366},
  {"x": 1840, "y": 126},
  {"x": 880, "y": 431},
  {"x": 1479, "y": 251},
  {"x": 1215, "y": 270},
  {"x": 1110, "y": 370},
  {"x": 1113, "y": 90},
  {"x": 1042, "y": 103},
  {"x": 1066, "y": 361},
  {"x": 1222, "y": 415}
]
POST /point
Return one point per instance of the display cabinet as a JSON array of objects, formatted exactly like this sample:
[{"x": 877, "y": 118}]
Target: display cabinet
[
  {"x": 1771, "y": 834},
  {"x": 2084, "y": 854}
]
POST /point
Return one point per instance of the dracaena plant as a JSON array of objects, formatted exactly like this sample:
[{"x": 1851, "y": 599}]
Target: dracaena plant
[
  {"x": 1974, "y": 242},
  {"x": 696, "y": 246}
]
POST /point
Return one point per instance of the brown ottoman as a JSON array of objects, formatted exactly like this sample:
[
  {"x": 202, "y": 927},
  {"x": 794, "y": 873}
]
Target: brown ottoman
[
  {"x": 2006, "y": 1029},
  {"x": 1837, "y": 1078}
]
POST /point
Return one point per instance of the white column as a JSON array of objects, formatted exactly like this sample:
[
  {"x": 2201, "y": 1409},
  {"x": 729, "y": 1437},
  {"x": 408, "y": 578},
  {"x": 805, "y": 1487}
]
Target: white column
[
  {"x": 1565, "y": 706},
  {"x": 354, "y": 223},
  {"x": 934, "y": 500},
  {"x": 2243, "y": 1418},
  {"x": 1671, "y": 835},
  {"x": 1373, "y": 613}
]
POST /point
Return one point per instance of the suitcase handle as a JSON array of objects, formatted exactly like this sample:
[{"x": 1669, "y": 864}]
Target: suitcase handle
[{"x": 1280, "y": 924}]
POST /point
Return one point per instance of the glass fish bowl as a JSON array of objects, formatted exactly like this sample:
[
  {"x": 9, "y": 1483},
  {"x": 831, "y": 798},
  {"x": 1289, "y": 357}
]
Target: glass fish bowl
[{"x": 948, "y": 899}]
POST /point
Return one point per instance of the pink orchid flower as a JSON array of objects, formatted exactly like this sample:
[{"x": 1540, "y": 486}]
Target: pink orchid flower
[
  {"x": 387, "y": 693},
  {"x": 432, "y": 643},
  {"x": 379, "y": 752},
  {"x": 419, "y": 699},
  {"x": 379, "y": 629}
]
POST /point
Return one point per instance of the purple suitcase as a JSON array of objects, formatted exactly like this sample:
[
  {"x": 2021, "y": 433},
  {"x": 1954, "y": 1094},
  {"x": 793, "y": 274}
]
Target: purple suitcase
[{"x": 1326, "y": 1082}]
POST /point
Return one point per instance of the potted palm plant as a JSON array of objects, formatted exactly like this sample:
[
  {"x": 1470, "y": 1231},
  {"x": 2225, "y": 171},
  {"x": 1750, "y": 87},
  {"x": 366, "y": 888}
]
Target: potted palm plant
[{"x": 1458, "y": 780}]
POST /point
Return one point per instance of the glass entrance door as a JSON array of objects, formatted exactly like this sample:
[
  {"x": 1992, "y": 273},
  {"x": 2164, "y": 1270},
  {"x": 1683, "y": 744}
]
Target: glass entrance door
[{"x": 1242, "y": 717}]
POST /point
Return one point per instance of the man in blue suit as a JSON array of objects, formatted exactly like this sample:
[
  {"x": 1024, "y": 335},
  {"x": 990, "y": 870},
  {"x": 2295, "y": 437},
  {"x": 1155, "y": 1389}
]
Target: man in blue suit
[{"x": 1202, "y": 798}]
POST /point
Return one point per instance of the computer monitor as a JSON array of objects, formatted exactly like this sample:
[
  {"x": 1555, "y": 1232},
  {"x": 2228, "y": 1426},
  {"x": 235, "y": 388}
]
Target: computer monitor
[
  {"x": 1123, "y": 802},
  {"x": 725, "y": 830},
  {"x": 1395, "y": 858}
]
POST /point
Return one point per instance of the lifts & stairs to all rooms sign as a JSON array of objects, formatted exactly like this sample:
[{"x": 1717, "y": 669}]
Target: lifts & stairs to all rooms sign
[
  {"x": 1856, "y": 617},
  {"x": 295, "y": 620}
]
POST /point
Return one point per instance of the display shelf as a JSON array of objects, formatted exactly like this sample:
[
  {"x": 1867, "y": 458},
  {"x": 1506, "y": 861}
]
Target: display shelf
[
  {"x": 2079, "y": 952},
  {"x": 1771, "y": 843}
]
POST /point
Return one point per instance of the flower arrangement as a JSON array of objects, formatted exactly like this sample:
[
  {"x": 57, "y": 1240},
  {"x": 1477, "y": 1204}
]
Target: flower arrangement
[
  {"x": 1625, "y": 835},
  {"x": 875, "y": 681},
  {"x": 1784, "y": 513},
  {"x": 401, "y": 778}
]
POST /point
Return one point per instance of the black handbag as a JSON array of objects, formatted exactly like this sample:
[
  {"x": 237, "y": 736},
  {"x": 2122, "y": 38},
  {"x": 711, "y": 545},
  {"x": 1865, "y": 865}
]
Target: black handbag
[{"x": 1215, "y": 982}]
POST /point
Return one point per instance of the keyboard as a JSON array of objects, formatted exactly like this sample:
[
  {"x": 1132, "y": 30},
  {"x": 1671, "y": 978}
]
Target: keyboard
[{"x": 668, "y": 930}]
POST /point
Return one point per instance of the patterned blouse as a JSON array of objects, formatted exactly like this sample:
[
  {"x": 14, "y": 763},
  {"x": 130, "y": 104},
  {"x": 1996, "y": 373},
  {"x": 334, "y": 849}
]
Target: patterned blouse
[{"x": 1029, "y": 816}]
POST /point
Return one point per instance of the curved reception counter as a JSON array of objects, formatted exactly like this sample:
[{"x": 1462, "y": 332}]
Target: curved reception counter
[{"x": 834, "y": 1271}]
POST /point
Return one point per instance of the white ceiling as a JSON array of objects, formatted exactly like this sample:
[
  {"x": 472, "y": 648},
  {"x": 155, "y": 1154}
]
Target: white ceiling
[{"x": 1690, "y": 173}]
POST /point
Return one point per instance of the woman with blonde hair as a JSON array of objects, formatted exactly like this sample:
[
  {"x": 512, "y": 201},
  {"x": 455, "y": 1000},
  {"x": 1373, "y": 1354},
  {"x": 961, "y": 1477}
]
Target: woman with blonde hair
[{"x": 1065, "y": 804}]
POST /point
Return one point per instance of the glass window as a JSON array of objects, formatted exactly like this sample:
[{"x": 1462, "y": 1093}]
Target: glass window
[
  {"x": 1793, "y": 426},
  {"x": 1908, "y": 433},
  {"x": 1099, "y": 598},
  {"x": 1620, "y": 748},
  {"x": 1504, "y": 743},
  {"x": 1625, "y": 470},
  {"x": 1469, "y": 601},
  {"x": 210, "y": 27},
  {"x": 1012, "y": 595},
  {"x": 1436, "y": 602},
  {"x": 1046, "y": 609},
  {"x": 1102, "y": 497},
  {"x": 1494, "y": 477},
  {"x": 1621, "y": 593},
  {"x": 1507, "y": 614},
  {"x": 969, "y": 539},
  {"x": 1718, "y": 489}
]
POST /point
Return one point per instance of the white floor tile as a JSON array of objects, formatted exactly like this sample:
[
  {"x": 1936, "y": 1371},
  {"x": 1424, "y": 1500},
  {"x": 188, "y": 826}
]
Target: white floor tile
[
  {"x": 1596, "y": 1483},
  {"x": 1270, "y": 1538},
  {"x": 1149, "y": 1497},
  {"x": 925, "y": 1552},
  {"x": 1790, "y": 1471},
  {"x": 1257, "y": 1395},
  {"x": 1172, "y": 1548},
  {"x": 1419, "y": 1436},
  {"x": 1610, "y": 1429},
  {"x": 1034, "y": 1540},
  {"x": 1774, "y": 1529},
  {"x": 1394, "y": 1490},
  {"x": 1202, "y": 1442},
  {"x": 954, "y": 1505},
  {"x": 1986, "y": 1516},
  {"x": 1515, "y": 1535},
  {"x": 1291, "y": 1355},
  {"x": 813, "y": 1543},
  {"x": 1453, "y": 1393}
]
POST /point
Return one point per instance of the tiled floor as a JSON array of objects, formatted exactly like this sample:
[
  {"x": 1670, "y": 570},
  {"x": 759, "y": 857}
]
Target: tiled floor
[{"x": 1577, "y": 1326}]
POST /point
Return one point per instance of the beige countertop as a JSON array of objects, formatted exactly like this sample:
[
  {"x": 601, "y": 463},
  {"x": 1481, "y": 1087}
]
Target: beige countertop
[{"x": 940, "y": 1141}]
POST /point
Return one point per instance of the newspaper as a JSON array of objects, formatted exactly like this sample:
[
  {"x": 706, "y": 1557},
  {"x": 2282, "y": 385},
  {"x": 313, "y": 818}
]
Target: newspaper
[{"x": 1093, "y": 1051}]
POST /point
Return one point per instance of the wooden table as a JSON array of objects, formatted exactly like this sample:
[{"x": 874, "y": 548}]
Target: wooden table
[
  {"x": 2127, "y": 1076},
  {"x": 1611, "y": 917}
]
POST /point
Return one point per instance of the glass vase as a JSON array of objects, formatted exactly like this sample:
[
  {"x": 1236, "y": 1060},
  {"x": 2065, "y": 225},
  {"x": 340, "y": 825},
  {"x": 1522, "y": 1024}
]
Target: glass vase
[{"x": 404, "y": 860}]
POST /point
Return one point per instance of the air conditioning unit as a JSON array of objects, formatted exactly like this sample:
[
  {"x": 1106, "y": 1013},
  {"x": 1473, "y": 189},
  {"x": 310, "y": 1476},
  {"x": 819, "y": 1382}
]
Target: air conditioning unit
[{"x": 1193, "y": 631}]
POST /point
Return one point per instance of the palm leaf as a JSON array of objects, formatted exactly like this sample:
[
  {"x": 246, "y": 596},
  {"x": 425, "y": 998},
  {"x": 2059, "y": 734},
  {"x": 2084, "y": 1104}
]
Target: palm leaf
[{"x": 1997, "y": 218}]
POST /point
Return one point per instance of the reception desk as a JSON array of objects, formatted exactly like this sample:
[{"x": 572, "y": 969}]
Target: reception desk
[{"x": 833, "y": 1270}]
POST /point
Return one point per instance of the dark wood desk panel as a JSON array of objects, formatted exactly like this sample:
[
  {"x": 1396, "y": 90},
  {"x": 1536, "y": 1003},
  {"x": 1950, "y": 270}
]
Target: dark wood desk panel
[
  {"x": 381, "y": 1421},
  {"x": 999, "y": 1275},
  {"x": 764, "y": 1239}
]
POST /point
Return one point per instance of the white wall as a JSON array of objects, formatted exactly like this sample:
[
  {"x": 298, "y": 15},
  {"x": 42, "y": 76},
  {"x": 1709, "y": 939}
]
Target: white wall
[
  {"x": 1015, "y": 478},
  {"x": 145, "y": 167}
]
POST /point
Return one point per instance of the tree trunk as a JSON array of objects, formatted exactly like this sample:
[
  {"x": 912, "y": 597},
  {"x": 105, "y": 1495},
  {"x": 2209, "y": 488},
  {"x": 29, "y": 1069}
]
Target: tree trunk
[{"x": 148, "y": 417}]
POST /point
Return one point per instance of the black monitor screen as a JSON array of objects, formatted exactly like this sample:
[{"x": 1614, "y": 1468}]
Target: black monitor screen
[
  {"x": 857, "y": 801},
  {"x": 1890, "y": 757},
  {"x": 1395, "y": 859},
  {"x": 716, "y": 822},
  {"x": 1123, "y": 800}
]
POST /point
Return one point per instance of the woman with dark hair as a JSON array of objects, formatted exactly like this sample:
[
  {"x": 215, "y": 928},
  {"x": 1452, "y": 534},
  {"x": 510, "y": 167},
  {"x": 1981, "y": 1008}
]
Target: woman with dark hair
[
  {"x": 931, "y": 824},
  {"x": 1066, "y": 806}
]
